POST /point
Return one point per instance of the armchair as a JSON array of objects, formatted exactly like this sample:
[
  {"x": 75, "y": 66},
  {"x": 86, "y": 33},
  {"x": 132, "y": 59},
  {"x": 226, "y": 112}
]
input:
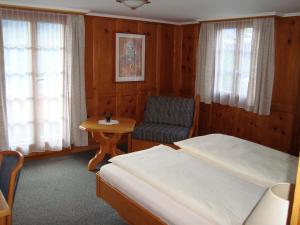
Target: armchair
[
  {"x": 166, "y": 120},
  {"x": 11, "y": 163}
]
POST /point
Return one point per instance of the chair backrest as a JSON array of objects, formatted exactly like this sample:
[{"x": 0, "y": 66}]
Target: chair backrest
[
  {"x": 168, "y": 110},
  {"x": 11, "y": 163}
]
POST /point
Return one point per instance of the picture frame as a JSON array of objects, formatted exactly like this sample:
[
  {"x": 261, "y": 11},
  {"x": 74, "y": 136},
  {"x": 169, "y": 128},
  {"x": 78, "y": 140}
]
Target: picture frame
[{"x": 130, "y": 57}]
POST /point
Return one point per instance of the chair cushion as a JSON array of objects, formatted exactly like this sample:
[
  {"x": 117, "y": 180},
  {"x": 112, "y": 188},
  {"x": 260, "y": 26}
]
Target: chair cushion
[
  {"x": 160, "y": 132},
  {"x": 171, "y": 111}
]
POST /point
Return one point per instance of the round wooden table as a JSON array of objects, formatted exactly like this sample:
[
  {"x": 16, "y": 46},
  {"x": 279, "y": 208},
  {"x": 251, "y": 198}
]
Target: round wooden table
[{"x": 108, "y": 137}]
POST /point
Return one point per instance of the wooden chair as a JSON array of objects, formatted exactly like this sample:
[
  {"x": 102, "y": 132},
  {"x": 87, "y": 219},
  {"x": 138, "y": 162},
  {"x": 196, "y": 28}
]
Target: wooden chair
[
  {"x": 11, "y": 163},
  {"x": 138, "y": 142}
]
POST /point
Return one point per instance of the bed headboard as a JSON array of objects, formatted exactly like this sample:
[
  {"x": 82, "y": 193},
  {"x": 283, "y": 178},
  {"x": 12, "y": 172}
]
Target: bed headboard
[{"x": 295, "y": 219}]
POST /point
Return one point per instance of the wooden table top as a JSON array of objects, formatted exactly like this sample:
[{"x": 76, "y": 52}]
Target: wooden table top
[
  {"x": 125, "y": 125},
  {"x": 4, "y": 208}
]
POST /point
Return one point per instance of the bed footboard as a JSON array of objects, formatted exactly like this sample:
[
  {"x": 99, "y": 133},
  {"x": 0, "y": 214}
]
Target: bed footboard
[{"x": 128, "y": 209}]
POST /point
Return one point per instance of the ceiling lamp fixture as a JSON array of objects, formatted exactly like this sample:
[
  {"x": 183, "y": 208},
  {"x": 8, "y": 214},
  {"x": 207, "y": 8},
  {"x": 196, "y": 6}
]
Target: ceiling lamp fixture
[{"x": 134, "y": 4}]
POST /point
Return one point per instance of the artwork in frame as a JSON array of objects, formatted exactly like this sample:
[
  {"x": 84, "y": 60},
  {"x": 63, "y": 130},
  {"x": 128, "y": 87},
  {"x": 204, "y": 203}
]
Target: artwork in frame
[{"x": 130, "y": 57}]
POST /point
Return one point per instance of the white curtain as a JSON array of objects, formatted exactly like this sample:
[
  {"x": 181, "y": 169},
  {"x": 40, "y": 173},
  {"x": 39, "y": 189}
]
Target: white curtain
[
  {"x": 236, "y": 64},
  {"x": 3, "y": 117},
  {"x": 38, "y": 87},
  {"x": 75, "y": 47}
]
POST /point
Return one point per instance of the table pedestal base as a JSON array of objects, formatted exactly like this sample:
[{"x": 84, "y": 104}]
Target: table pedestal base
[{"x": 108, "y": 146}]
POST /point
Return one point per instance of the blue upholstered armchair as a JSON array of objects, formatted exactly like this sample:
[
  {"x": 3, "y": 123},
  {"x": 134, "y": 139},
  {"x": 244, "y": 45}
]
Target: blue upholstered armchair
[
  {"x": 11, "y": 163},
  {"x": 166, "y": 120}
]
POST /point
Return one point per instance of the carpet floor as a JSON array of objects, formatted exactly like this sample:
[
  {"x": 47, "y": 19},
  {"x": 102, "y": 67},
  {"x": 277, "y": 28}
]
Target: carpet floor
[{"x": 60, "y": 191}]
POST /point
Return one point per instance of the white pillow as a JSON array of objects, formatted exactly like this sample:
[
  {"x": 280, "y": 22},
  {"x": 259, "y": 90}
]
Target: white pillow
[{"x": 256, "y": 163}]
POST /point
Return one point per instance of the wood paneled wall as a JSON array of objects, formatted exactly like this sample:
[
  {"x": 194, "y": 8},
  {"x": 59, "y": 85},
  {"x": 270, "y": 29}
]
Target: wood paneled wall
[
  {"x": 128, "y": 98},
  {"x": 189, "y": 50},
  {"x": 170, "y": 70},
  {"x": 280, "y": 130}
]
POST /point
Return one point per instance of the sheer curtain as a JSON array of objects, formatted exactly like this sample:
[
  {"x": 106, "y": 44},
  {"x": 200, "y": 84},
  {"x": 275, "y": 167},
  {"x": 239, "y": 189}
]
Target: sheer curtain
[
  {"x": 236, "y": 64},
  {"x": 3, "y": 117},
  {"x": 38, "y": 88}
]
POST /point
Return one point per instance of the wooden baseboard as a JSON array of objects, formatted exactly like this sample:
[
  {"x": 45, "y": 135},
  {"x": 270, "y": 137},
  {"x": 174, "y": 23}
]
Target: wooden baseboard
[{"x": 49, "y": 154}]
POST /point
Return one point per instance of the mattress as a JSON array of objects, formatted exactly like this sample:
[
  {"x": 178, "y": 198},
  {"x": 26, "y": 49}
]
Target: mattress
[
  {"x": 213, "y": 194},
  {"x": 256, "y": 163},
  {"x": 158, "y": 203}
]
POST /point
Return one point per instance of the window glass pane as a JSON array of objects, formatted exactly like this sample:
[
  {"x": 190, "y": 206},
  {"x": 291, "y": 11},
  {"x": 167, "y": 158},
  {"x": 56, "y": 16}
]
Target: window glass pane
[
  {"x": 18, "y": 76},
  {"x": 225, "y": 59},
  {"x": 245, "y": 60},
  {"x": 50, "y": 79},
  {"x": 33, "y": 57},
  {"x": 233, "y": 60}
]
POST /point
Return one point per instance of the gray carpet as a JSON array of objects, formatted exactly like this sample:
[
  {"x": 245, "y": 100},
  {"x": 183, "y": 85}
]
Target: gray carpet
[{"x": 60, "y": 191}]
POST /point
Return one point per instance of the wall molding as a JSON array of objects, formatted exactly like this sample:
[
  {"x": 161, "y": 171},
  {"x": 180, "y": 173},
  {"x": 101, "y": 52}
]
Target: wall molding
[
  {"x": 194, "y": 21},
  {"x": 291, "y": 14},
  {"x": 42, "y": 7},
  {"x": 239, "y": 17},
  {"x": 251, "y": 15},
  {"x": 133, "y": 18}
]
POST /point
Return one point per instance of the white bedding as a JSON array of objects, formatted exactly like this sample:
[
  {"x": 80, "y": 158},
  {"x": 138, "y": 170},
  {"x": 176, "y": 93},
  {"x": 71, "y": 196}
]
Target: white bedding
[
  {"x": 158, "y": 203},
  {"x": 194, "y": 183},
  {"x": 256, "y": 163}
]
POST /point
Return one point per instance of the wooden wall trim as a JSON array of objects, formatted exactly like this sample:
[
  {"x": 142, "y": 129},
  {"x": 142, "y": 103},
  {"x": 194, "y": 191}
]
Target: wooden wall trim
[
  {"x": 239, "y": 18},
  {"x": 50, "y": 154},
  {"x": 140, "y": 19}
]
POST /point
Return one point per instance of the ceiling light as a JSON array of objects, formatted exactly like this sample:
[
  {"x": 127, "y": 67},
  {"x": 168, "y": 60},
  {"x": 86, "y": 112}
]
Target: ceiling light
[{"x": 133, "y": 4}]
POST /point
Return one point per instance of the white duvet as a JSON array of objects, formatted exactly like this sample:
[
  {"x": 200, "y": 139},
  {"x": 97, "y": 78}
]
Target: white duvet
[
  {"x": 207, "y": 190},
  {"x": 254, "y": 162},
  {"x": 147, "y": 196}
]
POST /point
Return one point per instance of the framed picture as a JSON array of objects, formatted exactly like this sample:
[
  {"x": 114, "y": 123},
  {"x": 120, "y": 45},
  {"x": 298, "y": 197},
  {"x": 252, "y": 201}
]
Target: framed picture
[{"x": 130, "y": 57}]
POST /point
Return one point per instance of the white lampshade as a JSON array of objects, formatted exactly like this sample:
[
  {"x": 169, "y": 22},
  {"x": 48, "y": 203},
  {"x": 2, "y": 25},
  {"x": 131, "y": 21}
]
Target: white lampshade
[
  {"x": 274, "y": 206},
  {"x": 133, "y": 4}
]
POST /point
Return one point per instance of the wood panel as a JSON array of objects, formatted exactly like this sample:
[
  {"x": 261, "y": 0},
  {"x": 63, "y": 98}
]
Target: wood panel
[
  {"x": 177, "y": 69},
  {"x": 126, "y": 99},
  {"x": 280, "y": 130},
  {"x": 165, "y": 57},
  {"x": 189, "y": 49},
  {"x": 171, "y": 70}
]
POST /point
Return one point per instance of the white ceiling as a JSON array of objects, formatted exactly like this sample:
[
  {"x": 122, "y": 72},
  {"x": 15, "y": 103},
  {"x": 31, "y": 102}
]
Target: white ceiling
[{"x": 174, "y": 10}]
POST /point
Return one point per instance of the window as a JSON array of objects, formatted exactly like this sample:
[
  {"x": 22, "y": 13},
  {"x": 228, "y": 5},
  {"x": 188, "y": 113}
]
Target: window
[
  {"x": 42, "y": 90},
  {"x": 233, "y": 58},
  {"x": 34, "y": 65},
  {"x": 236, "y": 64}
]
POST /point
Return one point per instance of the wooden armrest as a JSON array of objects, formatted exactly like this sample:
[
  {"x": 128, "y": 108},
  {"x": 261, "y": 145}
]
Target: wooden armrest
[{"x": 4, "y": 208}]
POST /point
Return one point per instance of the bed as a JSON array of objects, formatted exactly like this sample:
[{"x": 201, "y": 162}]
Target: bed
[{"x": 166, "y": 186}]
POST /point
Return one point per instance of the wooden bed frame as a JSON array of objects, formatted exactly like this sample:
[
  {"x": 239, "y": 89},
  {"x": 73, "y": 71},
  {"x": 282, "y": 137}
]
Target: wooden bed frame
[
  {"x": 127, "y": 208},
  {"x": 295, "y": 216},
  {"x": 136, "y": 214}
]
